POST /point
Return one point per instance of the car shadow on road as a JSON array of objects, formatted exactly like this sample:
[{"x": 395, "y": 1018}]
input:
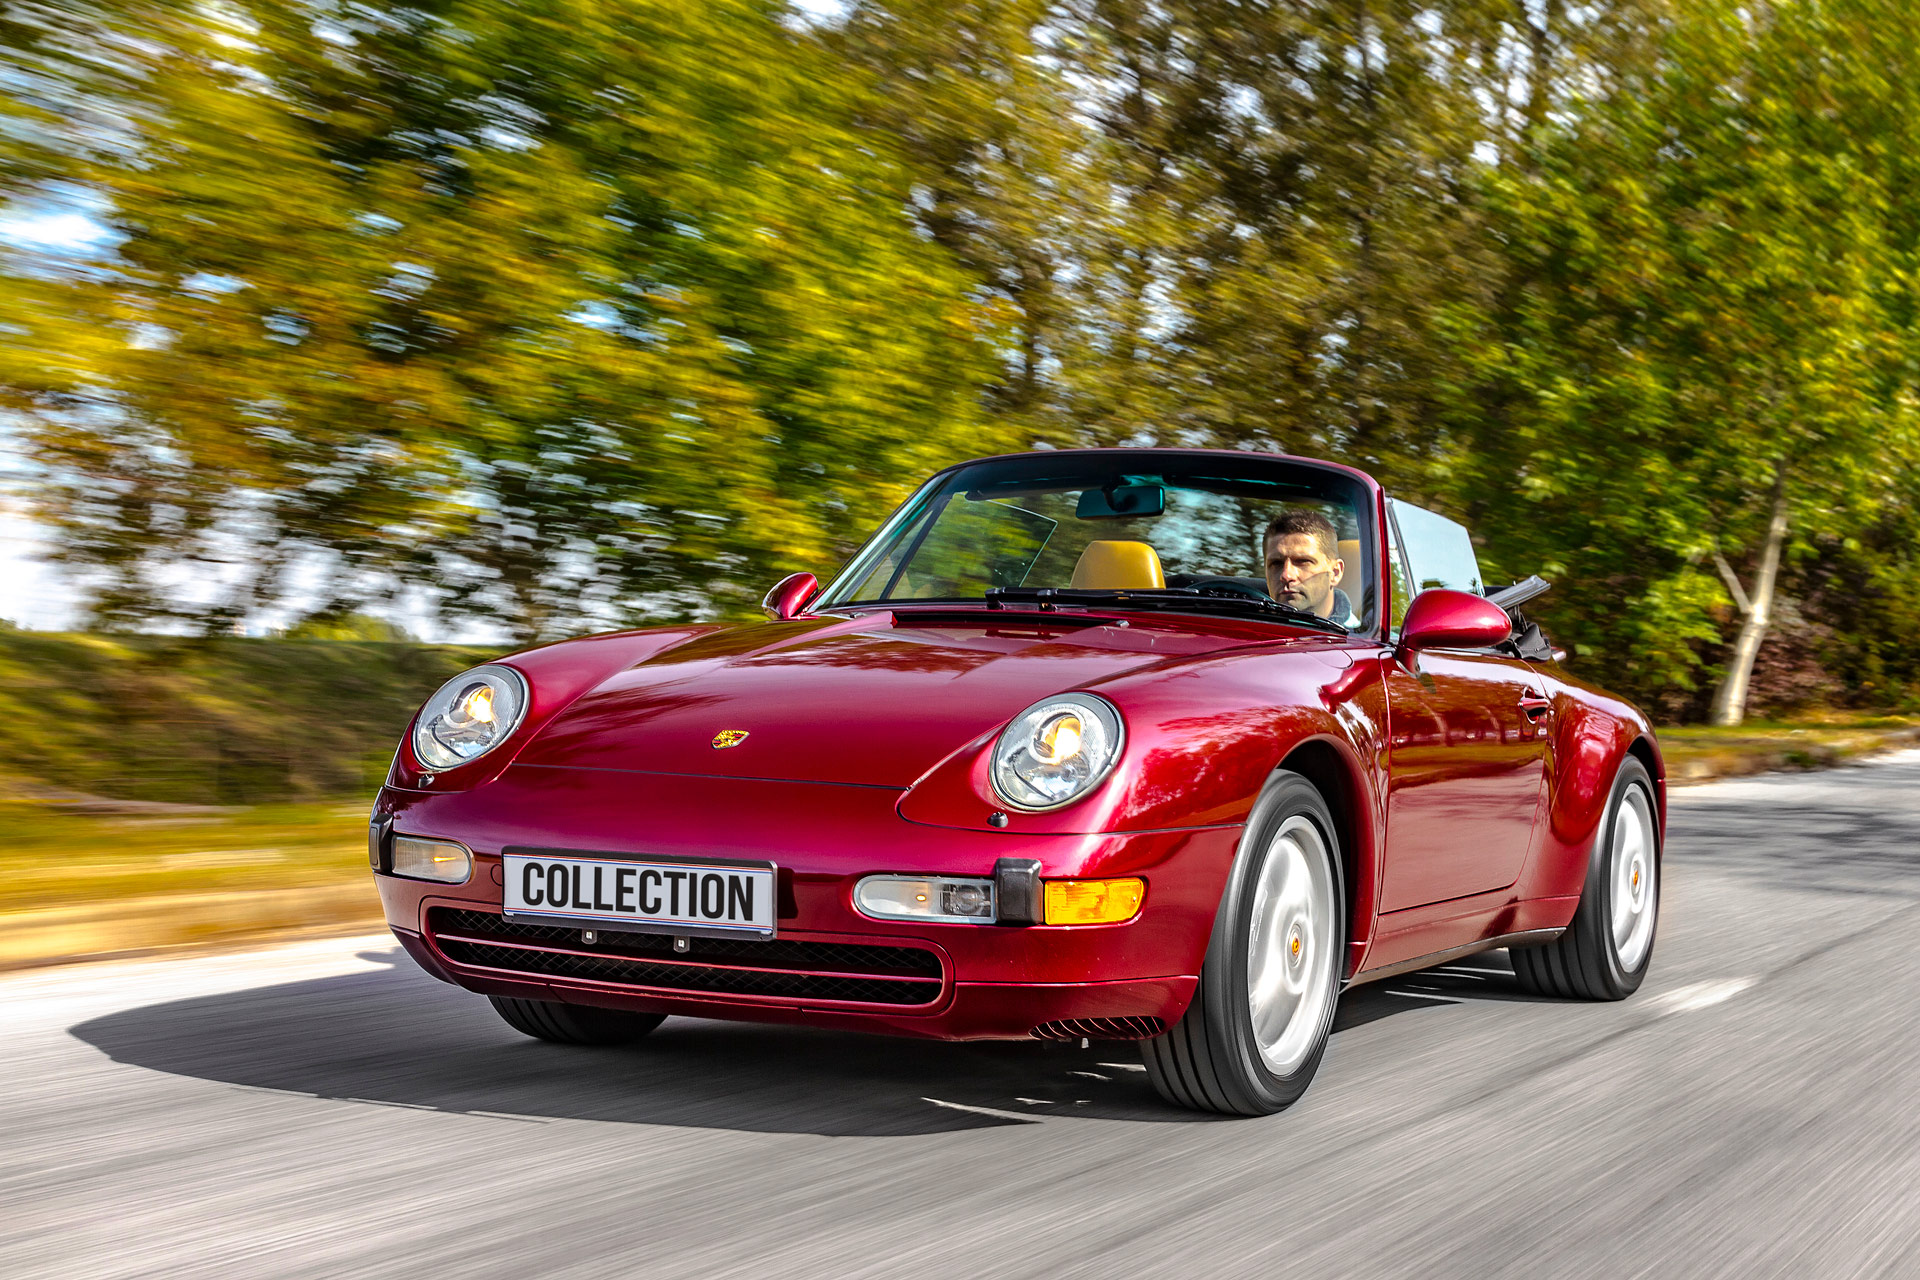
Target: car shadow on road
[
  {"x": 393, "y": 1036},
  {"x": 1487, "y": 976}
]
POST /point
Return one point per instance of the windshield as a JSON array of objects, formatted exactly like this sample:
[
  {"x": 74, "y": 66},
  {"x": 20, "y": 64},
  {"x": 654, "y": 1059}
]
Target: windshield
[{"x": 1162, "y": 529}]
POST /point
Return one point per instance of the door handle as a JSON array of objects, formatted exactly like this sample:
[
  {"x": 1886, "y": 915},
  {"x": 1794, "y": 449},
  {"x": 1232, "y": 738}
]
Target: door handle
[{"x": 1534, "y": 705}]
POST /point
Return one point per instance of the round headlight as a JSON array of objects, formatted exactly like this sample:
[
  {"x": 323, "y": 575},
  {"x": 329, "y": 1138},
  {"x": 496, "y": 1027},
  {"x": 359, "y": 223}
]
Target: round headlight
[
  {"x": 1056, "y": 751},
  {"x": 471, "y": 715}
]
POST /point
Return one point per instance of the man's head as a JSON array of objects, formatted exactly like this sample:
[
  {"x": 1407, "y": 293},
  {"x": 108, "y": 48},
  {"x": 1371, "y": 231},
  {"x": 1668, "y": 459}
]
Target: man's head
[{"x": 1303, "y": 561}]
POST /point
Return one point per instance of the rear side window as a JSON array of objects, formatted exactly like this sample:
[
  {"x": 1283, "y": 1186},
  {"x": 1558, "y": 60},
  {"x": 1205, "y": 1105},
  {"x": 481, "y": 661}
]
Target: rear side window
[{"x": 1438, "y": 551}]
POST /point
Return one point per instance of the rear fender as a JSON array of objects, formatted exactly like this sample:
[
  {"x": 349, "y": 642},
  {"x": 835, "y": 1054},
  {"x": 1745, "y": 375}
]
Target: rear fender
[{"x": 1593, "y": 735}]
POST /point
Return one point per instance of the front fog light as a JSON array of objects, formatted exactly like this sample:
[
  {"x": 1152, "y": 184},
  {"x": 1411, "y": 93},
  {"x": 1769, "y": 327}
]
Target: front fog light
[
  {"x": 964, "y": 901},
  {"x": 440, "y": 860}
]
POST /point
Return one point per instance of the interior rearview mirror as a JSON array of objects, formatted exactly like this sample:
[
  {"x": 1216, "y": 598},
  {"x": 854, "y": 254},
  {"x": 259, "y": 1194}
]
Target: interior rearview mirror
[{"x": 1118, "y": 501}]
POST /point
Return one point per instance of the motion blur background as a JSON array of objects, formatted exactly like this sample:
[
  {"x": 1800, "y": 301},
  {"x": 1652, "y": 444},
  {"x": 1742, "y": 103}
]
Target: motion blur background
[{"x": 370, "y": 331}]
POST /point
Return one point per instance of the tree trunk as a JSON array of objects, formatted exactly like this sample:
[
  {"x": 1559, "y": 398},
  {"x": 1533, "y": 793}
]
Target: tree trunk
[{"x": 1730, "y": 701}]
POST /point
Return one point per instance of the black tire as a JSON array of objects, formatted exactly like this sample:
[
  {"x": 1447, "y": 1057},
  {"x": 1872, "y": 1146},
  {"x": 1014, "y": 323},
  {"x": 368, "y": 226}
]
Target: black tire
[
  {"x": 1584, "y": 963},
  {"x": 1210, "y": 1060},
  {"x": 574, "y": 1023}
]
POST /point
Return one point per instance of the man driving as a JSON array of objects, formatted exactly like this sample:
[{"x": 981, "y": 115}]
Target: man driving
[{"x": 1304, "y": 566}]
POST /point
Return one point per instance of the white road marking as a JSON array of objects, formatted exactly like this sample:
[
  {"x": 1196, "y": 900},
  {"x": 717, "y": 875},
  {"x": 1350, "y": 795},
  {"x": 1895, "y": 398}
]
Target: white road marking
[
  {"x": 1123, "y": 1066},
  {"x": 984, "y": 1111},
  {"x": 1700, "y": 995},
  {"x": 1091, "y": 1075},
  {"x": 1037, "y": 1102}
]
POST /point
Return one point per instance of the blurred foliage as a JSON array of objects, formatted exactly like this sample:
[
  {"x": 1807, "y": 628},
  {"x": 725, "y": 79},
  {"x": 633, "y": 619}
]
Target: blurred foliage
[
  {"x": 351, "y": 626},
  {"x": 220, "y": 721},
  {"x": 570, "y": 312},
  {"x": 563, "y": 307},
  {"x": 1708, "y": 313}
]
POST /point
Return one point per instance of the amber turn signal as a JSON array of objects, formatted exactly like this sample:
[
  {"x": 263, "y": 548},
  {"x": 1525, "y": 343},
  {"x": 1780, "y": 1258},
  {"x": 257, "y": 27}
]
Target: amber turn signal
[{"x": 1094, "y": 901}]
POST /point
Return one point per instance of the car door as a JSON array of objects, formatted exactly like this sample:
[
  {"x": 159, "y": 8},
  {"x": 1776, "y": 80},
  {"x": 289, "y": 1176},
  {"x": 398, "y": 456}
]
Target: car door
[
  {"x": 1467, "y": 735},
  {"x": 1465, "y": 762}
]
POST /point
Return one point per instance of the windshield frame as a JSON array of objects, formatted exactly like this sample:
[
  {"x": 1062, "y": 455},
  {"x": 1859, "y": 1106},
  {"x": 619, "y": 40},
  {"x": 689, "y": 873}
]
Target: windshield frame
[{"x": 1364, "y": 491}]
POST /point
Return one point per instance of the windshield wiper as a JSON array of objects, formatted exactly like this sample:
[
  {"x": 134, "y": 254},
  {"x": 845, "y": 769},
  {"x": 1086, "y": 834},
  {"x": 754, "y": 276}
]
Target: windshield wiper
[{"x": 1175, "y": 599}]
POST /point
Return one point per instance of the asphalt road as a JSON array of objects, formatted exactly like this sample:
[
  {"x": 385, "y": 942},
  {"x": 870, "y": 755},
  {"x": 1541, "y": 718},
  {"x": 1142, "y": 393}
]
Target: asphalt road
[{"x": 325, "y": 1110}]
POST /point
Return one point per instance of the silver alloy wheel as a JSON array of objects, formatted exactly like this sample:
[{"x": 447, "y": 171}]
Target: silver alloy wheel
[
  {"x": 1636, "y": 898},
  {"x": 1290, "y": 946}
]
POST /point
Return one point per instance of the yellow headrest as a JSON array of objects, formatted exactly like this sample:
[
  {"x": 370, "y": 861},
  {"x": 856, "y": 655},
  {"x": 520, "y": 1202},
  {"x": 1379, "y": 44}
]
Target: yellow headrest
[
  {"x": 1350, "y": 556},
  {"x": 1108, "y": 566}
]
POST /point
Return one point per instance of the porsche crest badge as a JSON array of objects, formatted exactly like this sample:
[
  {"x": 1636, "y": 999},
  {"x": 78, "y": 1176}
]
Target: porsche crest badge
[{"x": 729, "y": 738}]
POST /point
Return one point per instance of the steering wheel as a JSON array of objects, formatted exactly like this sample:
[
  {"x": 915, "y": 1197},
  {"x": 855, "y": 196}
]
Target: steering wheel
[{"x": 1226, "y": 584}]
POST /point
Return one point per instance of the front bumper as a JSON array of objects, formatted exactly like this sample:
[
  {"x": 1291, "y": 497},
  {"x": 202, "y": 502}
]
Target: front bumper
[{"x": 973, "y": 981}]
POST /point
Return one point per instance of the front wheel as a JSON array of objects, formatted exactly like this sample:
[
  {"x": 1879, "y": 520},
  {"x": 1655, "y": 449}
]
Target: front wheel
[
  {"x": 1606, "y": 952},
  {"x": 574, "y": 1023},
  {"x": 1253, "y": 1037}
]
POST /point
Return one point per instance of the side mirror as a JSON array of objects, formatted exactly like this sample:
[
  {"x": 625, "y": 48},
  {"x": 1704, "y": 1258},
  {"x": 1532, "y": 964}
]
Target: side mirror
[
  {"x": 790, "y": 595},
  {"x": 1443, "y": 619}
]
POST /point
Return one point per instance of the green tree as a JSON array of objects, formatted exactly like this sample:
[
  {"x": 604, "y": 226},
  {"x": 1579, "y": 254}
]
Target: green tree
[
  {"x": 1702, "y": 367},
  {"x": 574, "y": 311}
]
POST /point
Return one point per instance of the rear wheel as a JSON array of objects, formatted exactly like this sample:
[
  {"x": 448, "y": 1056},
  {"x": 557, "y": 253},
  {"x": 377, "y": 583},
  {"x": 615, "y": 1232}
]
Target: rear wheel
[
  {"x": 574, "y": 1023},
  {"x": 1606, "y": 952},
  {"x": 1253, "y": 1037}
]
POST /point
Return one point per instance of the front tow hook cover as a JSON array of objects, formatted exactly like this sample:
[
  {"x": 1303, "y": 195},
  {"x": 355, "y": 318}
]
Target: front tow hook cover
[{"x": 1016, "y": 887}]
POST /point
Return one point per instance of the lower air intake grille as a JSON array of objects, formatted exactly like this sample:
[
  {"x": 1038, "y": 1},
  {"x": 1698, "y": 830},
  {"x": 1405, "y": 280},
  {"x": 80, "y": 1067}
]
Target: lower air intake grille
[
  {"x": 714, "y": 966},
  {"x": 1099, "y": 1029}
]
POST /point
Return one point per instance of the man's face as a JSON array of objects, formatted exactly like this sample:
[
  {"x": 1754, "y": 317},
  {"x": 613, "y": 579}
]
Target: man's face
[{"x": 1300, "y": 574}]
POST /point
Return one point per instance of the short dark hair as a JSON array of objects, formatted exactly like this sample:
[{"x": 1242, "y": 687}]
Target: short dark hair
[{"x": 1297, "y": 520}]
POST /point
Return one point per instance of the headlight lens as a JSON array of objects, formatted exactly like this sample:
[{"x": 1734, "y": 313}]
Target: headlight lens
[
  {"x": 471, "y": 715},
  {"x": 1056, "y": 751}
]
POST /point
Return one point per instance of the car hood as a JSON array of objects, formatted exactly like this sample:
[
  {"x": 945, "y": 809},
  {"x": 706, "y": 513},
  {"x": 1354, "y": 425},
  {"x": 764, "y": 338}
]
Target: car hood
[{"x": 876, "y": 699}]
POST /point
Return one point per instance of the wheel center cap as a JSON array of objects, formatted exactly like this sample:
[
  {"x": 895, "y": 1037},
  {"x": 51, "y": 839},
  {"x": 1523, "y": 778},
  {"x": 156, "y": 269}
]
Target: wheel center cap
[{"x": 1295, "y": 944}]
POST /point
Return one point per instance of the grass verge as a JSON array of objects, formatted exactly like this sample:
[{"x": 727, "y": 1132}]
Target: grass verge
[
  {"x": 86, "y": 878},
  {"x": 1700, "y": 753},
  {"x": 83, "y": 885}
]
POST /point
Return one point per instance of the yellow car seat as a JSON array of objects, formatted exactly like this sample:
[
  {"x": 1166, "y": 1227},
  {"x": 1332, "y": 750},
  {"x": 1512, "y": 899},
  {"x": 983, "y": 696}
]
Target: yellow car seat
[{"x": 1118, "y": 566}]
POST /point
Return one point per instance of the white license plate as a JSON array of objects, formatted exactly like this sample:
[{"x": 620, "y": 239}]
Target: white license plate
[{"x": 648, "y": 897}]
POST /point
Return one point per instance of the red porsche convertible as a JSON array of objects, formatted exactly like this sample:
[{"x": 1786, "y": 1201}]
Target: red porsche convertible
[{"x": 1154, "y": 744}]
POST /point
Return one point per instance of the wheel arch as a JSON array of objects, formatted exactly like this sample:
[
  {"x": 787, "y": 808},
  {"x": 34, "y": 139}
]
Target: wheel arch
[
  {"x": 1333, "y": 771},
  {"x": 1647, "y": 752}
]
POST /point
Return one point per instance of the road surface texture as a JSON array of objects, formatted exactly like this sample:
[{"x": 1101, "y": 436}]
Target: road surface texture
[{"x": 325, "y": 1110}]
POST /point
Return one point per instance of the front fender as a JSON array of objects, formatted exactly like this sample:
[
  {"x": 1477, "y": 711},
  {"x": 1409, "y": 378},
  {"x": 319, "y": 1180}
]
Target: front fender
[
  {"x": 556, "y": 675},
  {"x": 1202, "y": 739}
]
